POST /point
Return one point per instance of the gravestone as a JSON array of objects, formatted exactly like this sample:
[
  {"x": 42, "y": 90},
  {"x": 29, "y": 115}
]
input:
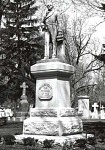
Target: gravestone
[
  {"x": 23, "y": 109},
  {"x": 24, "y": 106},
  {"x": 3, "y": 118},
  {"x": 83, "y": 106},
  {"x": 52, "y": 114},
  {"x": 95, "y": 114},
  {"x": 8, "y": 112},
  {"x": 102, "y": 112},
  {"x": 2, "y": 113}
]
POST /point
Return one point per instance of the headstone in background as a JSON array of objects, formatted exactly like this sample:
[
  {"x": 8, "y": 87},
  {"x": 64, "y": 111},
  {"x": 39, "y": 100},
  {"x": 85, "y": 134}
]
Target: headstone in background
[
  {"x": 8, "y": 112},
  {"x": 3, "y": 118},
  {"x": 95, "y": 114},
  {"x": 23, "y": 109},
  {"x": 24, "y": 106},
  {"x": 2, "y": 113},
  {"x": 102, "y": 113},
  {"x": 83, "y": 106},
  {"x": 31, "y": 107}
]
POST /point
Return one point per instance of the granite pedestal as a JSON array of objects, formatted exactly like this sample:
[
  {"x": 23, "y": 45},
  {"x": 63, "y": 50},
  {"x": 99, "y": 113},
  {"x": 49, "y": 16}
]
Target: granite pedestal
[
  {"x": 53, "y": 122},
  {"x": 52, "y": 114}
]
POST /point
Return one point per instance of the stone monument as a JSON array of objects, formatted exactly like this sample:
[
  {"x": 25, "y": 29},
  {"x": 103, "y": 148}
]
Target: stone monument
[
  {"x": 52, "y": 117},
  {"x": 83, "y": 106},
  {"x": 24, "y": 103},
  {"x": 102, "y": 112},
  {"x": 23, "y": 106},
  {"x": 52, "y": 114}
]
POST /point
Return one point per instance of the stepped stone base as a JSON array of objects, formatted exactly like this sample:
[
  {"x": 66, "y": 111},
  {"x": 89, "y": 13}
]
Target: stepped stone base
[
  {"x": 57, "y": 139},
  {"x": 53, "y": 122}
]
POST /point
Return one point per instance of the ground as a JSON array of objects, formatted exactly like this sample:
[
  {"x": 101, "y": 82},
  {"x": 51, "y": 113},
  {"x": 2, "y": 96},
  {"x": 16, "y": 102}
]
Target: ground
[
  {"x": 11, "y": 128},
  {"x": 16, "y": 128}
]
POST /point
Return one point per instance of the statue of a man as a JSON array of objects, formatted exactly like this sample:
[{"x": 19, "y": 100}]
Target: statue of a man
[{"x": 51, "y": 25}]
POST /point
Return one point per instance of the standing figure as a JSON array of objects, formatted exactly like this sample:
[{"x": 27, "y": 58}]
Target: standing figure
[{"x": 51, "y": 24}]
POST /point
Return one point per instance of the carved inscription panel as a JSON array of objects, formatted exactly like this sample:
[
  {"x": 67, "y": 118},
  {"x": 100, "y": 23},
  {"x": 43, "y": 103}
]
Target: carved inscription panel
[{"x": 45, "y": 92}]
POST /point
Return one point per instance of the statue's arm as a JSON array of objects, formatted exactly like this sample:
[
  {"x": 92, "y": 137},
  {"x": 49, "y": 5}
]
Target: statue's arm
[
  {"x": 44, "y": 19},
  {"x": 56, "y": 19},
  {"x": 43, "y": 22}
]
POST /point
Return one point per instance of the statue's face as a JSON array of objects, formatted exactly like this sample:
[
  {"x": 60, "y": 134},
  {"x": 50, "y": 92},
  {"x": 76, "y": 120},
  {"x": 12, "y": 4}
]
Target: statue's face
[{"x": 50, "y": 7}]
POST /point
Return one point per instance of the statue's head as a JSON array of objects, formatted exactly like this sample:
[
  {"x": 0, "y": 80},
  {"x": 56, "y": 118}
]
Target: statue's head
[{"x": 50, "y": 6}]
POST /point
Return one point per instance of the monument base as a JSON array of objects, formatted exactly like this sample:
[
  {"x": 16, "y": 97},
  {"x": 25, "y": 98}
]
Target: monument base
[
  {"x": 57, "y": 139},
  {"x": 53, "y": 122}
]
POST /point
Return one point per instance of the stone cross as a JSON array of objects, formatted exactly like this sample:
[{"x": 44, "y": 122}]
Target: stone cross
[
  {"x": 102, "y": 107},
  {"x": 95, "y": 106},
  {"x": 24, "y": 86}
]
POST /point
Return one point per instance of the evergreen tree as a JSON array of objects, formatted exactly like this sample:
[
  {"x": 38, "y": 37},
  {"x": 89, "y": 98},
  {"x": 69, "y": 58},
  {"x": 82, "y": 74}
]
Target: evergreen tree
[
  {"x": 21, "y": 46},
  {"x": 2, "y": 7}
]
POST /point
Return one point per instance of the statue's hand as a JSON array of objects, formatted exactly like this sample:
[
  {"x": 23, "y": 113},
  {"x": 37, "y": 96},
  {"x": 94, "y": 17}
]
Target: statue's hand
[
  {"x": 42, "y": 25},
  {"x": 44, "y": 20}
]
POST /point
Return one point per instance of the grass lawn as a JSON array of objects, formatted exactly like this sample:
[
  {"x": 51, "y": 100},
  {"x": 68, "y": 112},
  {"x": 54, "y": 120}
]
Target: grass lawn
[
  {"x": 16, "y": 128},
  {"x": 21, "y": 147},
  {"x": 11, "y": 128},
  {"x": 14, "y": 147}
]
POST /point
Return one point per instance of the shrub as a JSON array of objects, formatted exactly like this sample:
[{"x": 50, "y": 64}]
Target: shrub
[
  {"x": 9, "y": 139},
  {"x": 57, "y": 145},
  {"x": 67, "y": 145},
  {"x": 91, "y": 140},
  {"x": 101, "y": 137},
  {"x": 17, "y": 133},
  {"x": 81, "y": 143},
  {"x": 29, "y": 141},
  {"x": 48, "y": 143}
]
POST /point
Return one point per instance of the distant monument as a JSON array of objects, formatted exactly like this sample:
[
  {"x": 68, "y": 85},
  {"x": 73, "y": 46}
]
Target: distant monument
[
  {"x": 102, "y": 113},
  {"x": 24, "y": 86},
  {"x": 83, "y": 106},
  {"x": 53, "y": 115},
  {"x": 24, "y": 105},
  {"x": 95, "y": 114}
]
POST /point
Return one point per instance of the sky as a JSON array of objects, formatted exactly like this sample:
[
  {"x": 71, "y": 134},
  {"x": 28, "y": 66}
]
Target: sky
[{"x": 101, "y": 32}]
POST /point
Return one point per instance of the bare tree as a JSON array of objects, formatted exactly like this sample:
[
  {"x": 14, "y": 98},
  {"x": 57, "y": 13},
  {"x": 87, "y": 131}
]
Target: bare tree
[{"x": 81, "y": 46}]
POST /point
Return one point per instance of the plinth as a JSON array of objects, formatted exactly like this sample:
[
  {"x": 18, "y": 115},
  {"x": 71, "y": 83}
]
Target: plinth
[{"x": 53, "y": 114}]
